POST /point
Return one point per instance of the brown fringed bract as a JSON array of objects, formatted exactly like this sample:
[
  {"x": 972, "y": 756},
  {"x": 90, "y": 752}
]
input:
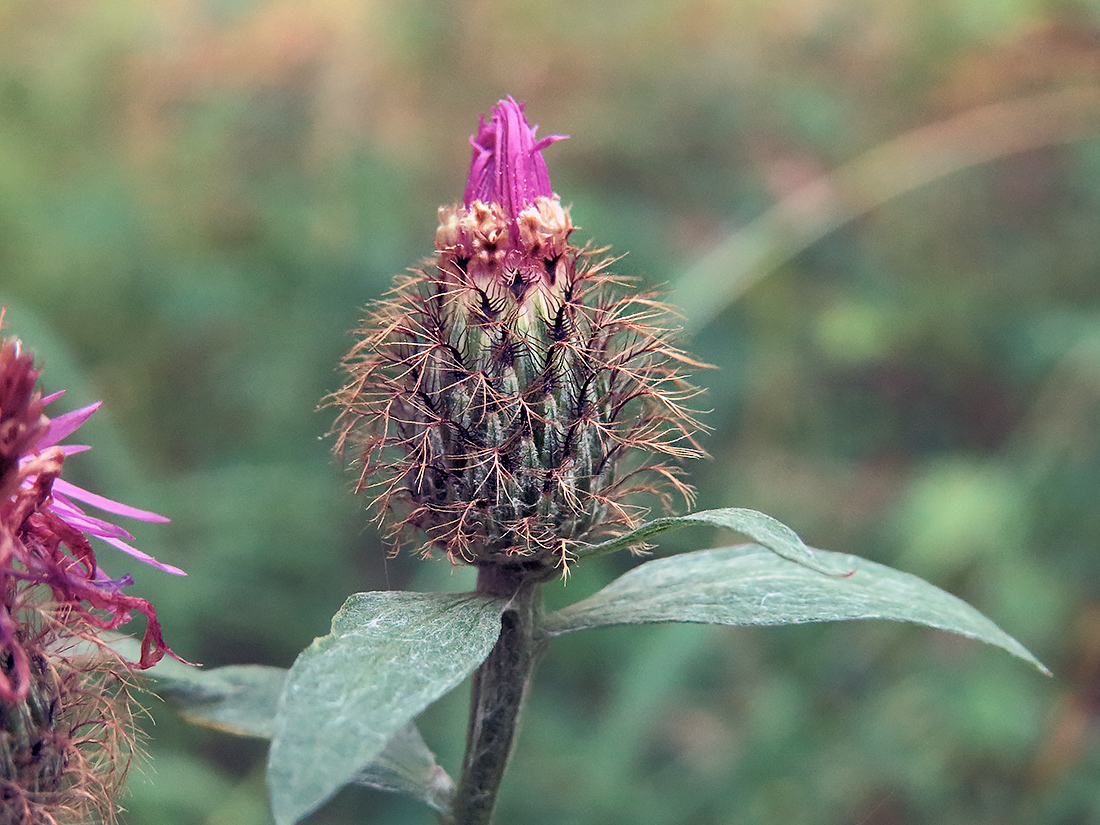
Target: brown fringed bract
[{"x": 66, "y": 748}]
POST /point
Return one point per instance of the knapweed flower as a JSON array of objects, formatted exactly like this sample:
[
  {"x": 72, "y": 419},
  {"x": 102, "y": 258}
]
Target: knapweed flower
[
  {"x": 506, "y": 401},
  {"x": 65, "y": 718}
]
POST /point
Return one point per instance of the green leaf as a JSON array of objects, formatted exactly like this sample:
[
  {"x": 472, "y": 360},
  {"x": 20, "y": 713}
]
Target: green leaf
[
  {"x": 770, "y": 532},
  {"x": 238, "y": 699},
  {"x": 408, "y": 766},
  {"x": 748, "y": 585},
  {"x": 242, "y": 699},
  {"x": 388, "y": 657}
]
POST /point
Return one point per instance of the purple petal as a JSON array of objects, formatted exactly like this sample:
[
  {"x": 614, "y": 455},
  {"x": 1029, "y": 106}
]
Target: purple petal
[
  {"x": 66, "y": 424},
  {"x": 112, "y": 585},
  {"x": 145, "y": 557},
  {"x": 546, "y": 141},
  {"x": 107, "y": 504},
  {"x": 507, "y": 166},
  {"x": 77, "y": 518}
]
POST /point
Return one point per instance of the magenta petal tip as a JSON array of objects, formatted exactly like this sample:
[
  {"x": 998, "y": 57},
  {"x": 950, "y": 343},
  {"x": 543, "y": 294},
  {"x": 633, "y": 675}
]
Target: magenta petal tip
[{"x": 507, "y": 166}]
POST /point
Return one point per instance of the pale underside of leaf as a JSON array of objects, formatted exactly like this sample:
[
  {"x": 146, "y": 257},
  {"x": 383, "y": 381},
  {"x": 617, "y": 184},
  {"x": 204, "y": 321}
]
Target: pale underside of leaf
[
  {"x": 751, "y": 585},
  {"x": 408, "y": 766},
  {"x": 388, "y": 657},
  {"x": 238, "y": 699}
]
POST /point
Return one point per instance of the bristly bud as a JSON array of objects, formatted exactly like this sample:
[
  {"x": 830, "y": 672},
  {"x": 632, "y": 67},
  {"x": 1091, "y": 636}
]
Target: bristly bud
[{"x": 496, "y": 397}]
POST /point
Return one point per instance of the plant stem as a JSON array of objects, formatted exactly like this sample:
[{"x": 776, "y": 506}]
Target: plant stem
[{"x": 499, "y": 687}]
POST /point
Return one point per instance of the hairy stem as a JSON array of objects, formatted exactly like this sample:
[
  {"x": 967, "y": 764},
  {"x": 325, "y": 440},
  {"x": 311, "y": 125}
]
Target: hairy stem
[{"x": 499, "y": 687}]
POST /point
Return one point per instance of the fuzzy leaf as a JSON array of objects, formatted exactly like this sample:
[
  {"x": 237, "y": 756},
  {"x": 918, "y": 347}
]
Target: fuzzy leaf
[
  {"x": 748, "y": 585},
  {"x": 238, "y": 699},
  {"x": 771, "y": 533},
  {"x": 388, "y": 657}
]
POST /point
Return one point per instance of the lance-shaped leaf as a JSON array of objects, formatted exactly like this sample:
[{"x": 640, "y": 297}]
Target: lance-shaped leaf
[
  {"x": 388, "y": 657},
  {"x": 749, "y": 585},
  {"x": 769, "y": 532},
  {"x": 239, "y": 699}
]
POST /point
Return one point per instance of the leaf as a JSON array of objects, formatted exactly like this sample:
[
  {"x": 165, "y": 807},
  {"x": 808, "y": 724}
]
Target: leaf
[
  {"x": 238, "y": 699},
  {"x": 242, "y": 699},
  {"x": 771, "y": 533},
  {"x": 389, "y": 656},
  {"x": 748, "y": 585},
  {"x": 408, "y": 766}
]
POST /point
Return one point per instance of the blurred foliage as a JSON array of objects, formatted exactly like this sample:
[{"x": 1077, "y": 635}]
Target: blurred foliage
[{"x": 197, "y": 198}]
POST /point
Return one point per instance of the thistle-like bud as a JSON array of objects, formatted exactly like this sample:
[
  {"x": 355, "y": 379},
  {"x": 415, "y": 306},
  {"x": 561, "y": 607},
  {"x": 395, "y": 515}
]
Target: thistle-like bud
[
  {"x": 66, "y": 726},
  {"x": 496, "y": 396}
]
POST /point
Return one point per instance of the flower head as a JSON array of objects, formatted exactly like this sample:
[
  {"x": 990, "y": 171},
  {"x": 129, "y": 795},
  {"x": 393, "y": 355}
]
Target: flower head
[
  {"x": 506, "y": 402},
  {"x": 44, "y": 534},
  {"x": 511, "y": 230},
  {"x": 66, "y": 720}
]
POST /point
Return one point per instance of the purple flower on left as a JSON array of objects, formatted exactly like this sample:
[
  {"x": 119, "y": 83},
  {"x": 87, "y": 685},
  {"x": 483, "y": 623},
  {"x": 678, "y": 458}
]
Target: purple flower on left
[{"x": 48, "y": 567}]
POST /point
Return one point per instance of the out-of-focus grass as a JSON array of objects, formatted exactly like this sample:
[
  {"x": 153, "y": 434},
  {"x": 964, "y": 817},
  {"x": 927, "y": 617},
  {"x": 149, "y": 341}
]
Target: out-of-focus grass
[{"x": 196, "y": 199}]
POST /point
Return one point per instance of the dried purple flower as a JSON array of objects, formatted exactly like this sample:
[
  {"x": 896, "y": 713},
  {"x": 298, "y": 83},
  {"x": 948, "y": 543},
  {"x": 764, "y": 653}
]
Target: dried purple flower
[
  {"x": 44, "y": 534},
  {"x": 66, "y": 720}
]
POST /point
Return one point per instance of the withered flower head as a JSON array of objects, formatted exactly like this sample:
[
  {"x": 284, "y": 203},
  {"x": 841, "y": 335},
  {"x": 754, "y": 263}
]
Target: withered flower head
[
  {"x": 65, "y": 720},
  {"x": 506, "y": 402}
]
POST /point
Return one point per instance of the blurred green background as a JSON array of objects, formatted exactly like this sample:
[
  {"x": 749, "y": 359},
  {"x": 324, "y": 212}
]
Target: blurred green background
[{"x": 198, "y": 198}]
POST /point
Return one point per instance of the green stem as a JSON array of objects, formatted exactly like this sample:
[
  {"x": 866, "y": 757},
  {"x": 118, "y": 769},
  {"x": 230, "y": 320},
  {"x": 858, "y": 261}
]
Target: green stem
[{"x": 499, "y": 687}]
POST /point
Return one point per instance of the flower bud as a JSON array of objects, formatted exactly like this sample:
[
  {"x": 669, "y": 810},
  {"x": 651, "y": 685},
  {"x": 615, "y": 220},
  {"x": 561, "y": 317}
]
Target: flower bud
[{"x": 495, "y": 397}]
